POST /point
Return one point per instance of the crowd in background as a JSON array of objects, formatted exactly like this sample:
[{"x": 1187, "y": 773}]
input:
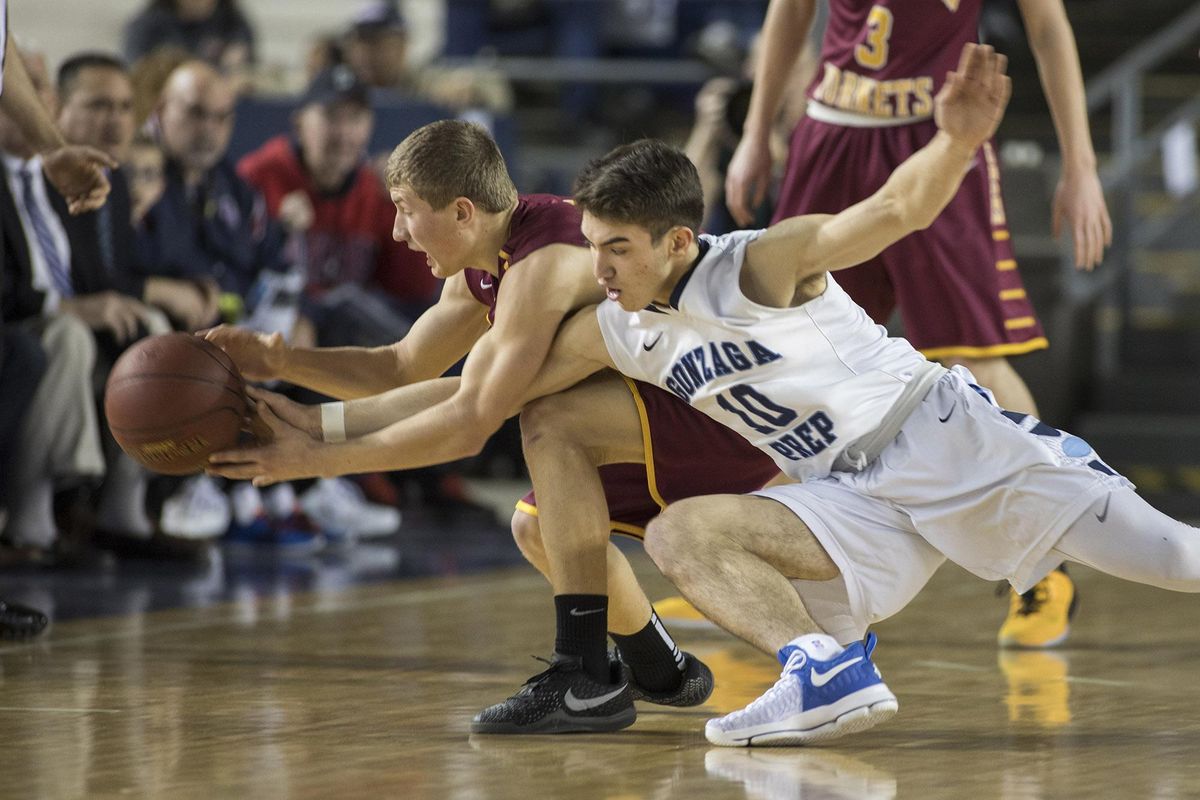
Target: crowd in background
[{"x": 293, "y": 236}]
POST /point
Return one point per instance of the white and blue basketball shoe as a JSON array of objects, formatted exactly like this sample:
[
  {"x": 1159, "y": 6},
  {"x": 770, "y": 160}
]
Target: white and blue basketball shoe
[{"x": 825, "y": 691}]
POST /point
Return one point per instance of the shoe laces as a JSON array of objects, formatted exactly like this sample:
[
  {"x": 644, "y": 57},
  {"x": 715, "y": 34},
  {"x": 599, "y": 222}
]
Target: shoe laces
[
  {"x": 778, "y": 698},
  {"x": 1033, "y": 600},
  {"x": 530, "y": 685}
]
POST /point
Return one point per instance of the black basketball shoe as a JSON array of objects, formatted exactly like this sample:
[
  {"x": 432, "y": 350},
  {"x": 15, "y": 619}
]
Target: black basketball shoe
[
  {"x": 693, "y": 690},
  {"x": 20, "y": 622},
  {"x": 562, "y": 699}
]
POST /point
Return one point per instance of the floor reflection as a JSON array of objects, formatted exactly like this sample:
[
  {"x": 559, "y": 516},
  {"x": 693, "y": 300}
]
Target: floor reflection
[
  {"x": 114, "y": 587},
  {"x": 1038, "y": 688},
  {"x": 790, "y": 773}
]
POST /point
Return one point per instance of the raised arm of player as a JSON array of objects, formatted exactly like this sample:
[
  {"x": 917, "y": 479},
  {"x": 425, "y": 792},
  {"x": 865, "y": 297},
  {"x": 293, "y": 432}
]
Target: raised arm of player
[
  {"x": 749, "y": 173},
  {"x": 1079, "y": 198},
  {"x": 76, "y": 171},
  {"x": 967, "y": 110},
  {"x": 538, "y": 294},
  {"x": 438, "y": 339}
]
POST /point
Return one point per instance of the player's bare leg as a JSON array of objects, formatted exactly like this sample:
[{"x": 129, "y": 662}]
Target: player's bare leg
[
  {"x": 628, "y": 608},
  {"x": 567, "y": 437},
  {"x": 1040, "y": 617},
  {"x": 734, "y": 556}
]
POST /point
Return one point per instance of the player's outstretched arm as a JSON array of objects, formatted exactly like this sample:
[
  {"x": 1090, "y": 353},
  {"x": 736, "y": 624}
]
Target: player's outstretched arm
[
  {"x": 1079, "y": 198},
  {"x": 501, "y": 373},
  {"x": 967, "y": 111},
  {"x": 749, "y": 172},
  {"x": 439, "y": 338}
]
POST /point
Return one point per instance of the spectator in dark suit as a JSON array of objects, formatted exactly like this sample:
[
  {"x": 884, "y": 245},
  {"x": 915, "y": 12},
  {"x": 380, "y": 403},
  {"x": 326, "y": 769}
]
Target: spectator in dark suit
[
  {"x": 95, "y": 107},
  {"x": 77, "y": 174}
]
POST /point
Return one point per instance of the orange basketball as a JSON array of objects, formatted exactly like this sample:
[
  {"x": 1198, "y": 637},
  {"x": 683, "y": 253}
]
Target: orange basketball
[{"x": 174, "y": 399}]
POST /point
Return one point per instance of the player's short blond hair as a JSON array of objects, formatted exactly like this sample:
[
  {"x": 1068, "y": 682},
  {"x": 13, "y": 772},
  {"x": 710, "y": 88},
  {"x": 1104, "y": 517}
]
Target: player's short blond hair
[{"x": 451, "y": 158}]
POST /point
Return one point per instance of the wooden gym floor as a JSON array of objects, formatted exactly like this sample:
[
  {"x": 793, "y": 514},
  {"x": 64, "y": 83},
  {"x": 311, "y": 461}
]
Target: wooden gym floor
[{"x": 367, "y": 691}]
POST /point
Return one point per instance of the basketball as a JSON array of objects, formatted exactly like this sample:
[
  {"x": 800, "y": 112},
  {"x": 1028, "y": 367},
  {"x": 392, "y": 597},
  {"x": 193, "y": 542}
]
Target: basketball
[{"x": 172, "y": 400}]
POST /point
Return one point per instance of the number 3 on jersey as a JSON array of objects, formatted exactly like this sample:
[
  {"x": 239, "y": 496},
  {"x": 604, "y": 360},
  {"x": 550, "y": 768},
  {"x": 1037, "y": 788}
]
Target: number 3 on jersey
[{"x": 873, "y": 53}]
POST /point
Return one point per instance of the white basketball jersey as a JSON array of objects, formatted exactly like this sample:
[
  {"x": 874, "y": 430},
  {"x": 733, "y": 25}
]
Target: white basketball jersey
[{"x": 799, "y": 383}]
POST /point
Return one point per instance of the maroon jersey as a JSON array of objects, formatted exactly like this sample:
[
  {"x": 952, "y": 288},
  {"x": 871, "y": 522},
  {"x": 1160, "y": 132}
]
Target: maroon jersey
[
  {"x": 539, "y": 220},
  {"x": 888, "y": 58}
]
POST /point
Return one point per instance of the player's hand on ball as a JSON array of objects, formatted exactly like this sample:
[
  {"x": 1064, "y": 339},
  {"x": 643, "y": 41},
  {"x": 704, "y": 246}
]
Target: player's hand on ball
[
  {"x": 303, "y": 417},
  {"x": 290, "y": 454},
  {"x": 972, "y": 101},
  {"x": 259, "y": 356}
]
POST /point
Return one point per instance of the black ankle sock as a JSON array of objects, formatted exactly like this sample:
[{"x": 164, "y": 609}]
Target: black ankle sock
[
  {"x": 583, "y": 631},
  {"x": 653, "y": 656}
]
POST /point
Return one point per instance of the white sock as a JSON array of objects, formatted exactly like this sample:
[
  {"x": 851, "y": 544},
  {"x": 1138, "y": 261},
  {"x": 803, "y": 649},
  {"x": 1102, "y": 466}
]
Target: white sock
[
  {"x": 819, "y": 646},
  {"x": 31, "y": 517},
  {"x": 122, "y": 507},
  {"x": 280, "y": 500},
  {"x": 247, "y": 502}
]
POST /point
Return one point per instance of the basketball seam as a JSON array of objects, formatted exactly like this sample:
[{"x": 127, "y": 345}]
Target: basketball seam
[
  {"x": 206, "y": 346},
  {"x": 169, "y": 428}
]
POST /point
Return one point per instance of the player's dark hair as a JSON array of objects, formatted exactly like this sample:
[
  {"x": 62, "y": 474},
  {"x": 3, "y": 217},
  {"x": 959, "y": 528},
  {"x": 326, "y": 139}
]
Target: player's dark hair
[
  {"x": 451, "y": 158},
  {"x": 68, "y": 72},
  {"x": 647, "y": 183}
]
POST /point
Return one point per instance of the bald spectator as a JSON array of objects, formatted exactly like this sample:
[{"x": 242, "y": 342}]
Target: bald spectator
[{"x": 209, "y": 223}]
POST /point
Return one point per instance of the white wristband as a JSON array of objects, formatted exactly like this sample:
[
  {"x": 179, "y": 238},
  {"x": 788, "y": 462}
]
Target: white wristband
[{"x": 333, "y": 422}]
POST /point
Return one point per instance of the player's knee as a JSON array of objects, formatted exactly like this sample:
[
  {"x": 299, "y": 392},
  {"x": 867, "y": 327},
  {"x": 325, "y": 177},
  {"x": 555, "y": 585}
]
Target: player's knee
[
  {"x": 528, "y": 536},
  {"x": 667, "y": 539},
  {"x": 543, "y": 419},
  {"x": 1182, "y": 561}
]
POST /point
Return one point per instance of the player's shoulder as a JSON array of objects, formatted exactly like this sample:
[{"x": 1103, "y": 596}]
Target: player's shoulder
[
  {"x": 539, "y": 221},
  {"x": 546, "y": 209}
]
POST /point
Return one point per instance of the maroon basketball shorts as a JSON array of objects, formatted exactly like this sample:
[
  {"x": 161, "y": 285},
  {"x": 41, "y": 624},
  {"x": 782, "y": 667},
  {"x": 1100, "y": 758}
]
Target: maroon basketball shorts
[
  {"x": 687, "y": 454},
  {"x": 956, "y": 283}
]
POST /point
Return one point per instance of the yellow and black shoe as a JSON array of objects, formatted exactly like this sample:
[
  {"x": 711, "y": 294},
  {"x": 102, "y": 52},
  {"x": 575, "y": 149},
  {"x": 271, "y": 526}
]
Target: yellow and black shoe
[
  {"x": 679, "y": 613},
  {"x": 1042, "y": 616}
]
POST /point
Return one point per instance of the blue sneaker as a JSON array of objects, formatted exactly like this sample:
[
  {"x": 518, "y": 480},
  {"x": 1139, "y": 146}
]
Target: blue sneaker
[
  {"x": 824, "y": 692},
  {"x": 293, "y": 535}
]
